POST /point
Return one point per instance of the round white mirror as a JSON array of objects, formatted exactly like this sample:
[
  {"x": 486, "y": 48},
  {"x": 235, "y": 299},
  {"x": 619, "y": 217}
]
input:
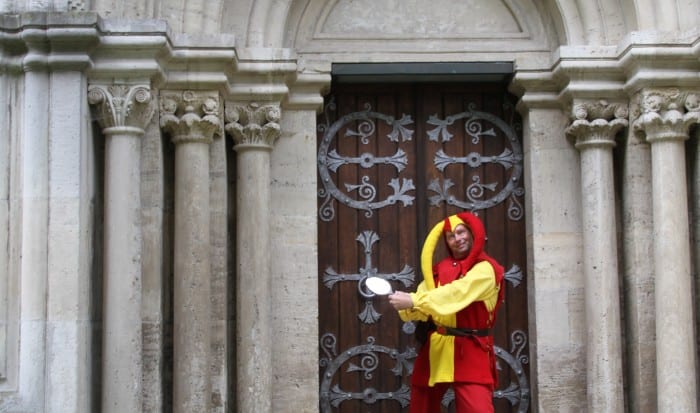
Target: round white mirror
[{"x": 379, "y": 286}]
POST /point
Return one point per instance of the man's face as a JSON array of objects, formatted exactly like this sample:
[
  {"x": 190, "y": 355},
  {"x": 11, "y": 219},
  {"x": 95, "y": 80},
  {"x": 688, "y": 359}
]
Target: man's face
[{"x": 459, "y": 241}]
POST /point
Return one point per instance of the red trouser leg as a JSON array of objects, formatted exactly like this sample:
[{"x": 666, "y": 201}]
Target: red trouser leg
[
  {"x": 426, "y": 399},
  {"x": 472, "y": 398}
]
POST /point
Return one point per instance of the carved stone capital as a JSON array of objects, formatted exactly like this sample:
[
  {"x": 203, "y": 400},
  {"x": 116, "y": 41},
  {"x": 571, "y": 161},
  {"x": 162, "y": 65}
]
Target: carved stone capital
[
  {"x": 596, "y": 123},
  {"x": 190, "y": 116},
  {"x": 121, "y": 107},
  {"x": 666, "y": 114},
  {"x": 253, "y": 125}
]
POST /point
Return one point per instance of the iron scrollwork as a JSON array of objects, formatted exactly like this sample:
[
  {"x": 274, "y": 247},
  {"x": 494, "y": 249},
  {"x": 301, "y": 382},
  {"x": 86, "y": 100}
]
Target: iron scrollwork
[
  {"x": 510, "y": 159},
  {"x": 517, "y": 394},
  {"x": 369, "y": 361},
  {"x": 330, "y": 161},
  {"x": 330, "y": 277}
]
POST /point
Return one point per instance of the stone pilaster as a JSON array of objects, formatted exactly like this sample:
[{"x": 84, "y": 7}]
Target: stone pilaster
[
  {"x": 637, "y": 244},
  {"x": 34, "y": 167},
  {"x": 293, "y": 192},
  {"x": 593, "y": 132},
  {"x": 666, "y": 115},
  {"x": 254, "y": 129},
  {"x": 192, "y": 119},
  {"x": 123, "y": 112},
  {"x": 156, "y": 262},
  {"x": 554, "y": 249},
  {"x": 222, "y": 287},
  {"x": 695, "y": 221},
  {"x": 4, "y": 217}
]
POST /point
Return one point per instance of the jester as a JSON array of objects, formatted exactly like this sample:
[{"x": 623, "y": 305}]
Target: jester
[{"x": 458, "y": 298}]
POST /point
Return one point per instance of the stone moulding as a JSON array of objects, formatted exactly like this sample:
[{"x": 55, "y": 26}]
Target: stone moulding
[
  {"x": 114, "y": 50},
  {"x": 613, "y": 73}
]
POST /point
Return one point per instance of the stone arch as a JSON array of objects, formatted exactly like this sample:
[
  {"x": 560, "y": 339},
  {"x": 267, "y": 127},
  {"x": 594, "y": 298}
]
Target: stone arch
[
  {"x": 427, "y": 30},
  {"x": 542, "y": 26},
  {"x": 274, "y": 23},
  {"x": 286, "y": 23},
  {"x": 524, "y": 31},
  {"x": 592, "y": 23}
]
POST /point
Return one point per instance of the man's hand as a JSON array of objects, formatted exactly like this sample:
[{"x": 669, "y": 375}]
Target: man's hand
[{"x": 401, "y": 300}]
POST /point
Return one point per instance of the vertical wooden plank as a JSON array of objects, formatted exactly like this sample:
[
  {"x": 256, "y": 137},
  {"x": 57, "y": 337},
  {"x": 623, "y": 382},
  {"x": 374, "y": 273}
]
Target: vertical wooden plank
[{"x": 347, "y": 248}]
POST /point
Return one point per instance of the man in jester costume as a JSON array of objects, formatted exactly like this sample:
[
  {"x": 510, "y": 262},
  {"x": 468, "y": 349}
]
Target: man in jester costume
[{"x": 460, "y": 295}]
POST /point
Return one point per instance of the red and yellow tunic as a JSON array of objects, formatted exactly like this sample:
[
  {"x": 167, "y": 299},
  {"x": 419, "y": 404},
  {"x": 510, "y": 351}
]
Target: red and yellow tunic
[{"x": 462, "y": 298}]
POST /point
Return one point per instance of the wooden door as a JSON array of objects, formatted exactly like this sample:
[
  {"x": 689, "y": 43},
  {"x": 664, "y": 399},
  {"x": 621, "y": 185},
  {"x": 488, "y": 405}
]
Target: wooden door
[{"x": 393, "y": 160}]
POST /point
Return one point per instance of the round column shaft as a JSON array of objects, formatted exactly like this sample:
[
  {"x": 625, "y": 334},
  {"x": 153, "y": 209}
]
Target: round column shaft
[
  {"x": 595, "y": 141},
  {"x": 191, "y": 284},
  {"x": 192, "y": 120},
  {"x": 253, "y": 313},
  {"x": 675, "y": 344},
  {"x": 254, "y": 129},
  {"x": 604, "y": 350},
  {"x": 665, "y": 119},
  {"x": 122, "y": 348}
]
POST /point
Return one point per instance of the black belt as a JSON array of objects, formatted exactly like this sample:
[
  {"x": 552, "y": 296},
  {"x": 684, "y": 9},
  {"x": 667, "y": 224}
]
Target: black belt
[{"x": 463, "y": 332}]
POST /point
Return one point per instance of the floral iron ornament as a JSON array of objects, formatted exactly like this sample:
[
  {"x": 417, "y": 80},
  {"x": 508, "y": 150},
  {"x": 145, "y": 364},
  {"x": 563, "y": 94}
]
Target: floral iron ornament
[
  {"x": 329, "y": 161},
  {"x": 370, "y": 356},
  {"x": 330, "y": 277},
  {"x": 476, "y": 193}
]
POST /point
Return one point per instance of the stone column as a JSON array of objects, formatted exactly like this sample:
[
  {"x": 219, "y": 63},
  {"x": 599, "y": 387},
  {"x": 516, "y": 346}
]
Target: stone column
[
  {"x": 594, "y": 131},
  {"x": 665, "y": 119},
  {"x": 254, "y": 130},
  {"x": 123, "y": 113},
  {"x": 192, "y": 119}
]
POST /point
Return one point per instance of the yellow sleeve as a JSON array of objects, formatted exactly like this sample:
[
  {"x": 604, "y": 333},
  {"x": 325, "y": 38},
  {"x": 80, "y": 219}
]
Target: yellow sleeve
[
  {"x": 413, "y": 314},
  {"x": 478, "y": 285}
]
